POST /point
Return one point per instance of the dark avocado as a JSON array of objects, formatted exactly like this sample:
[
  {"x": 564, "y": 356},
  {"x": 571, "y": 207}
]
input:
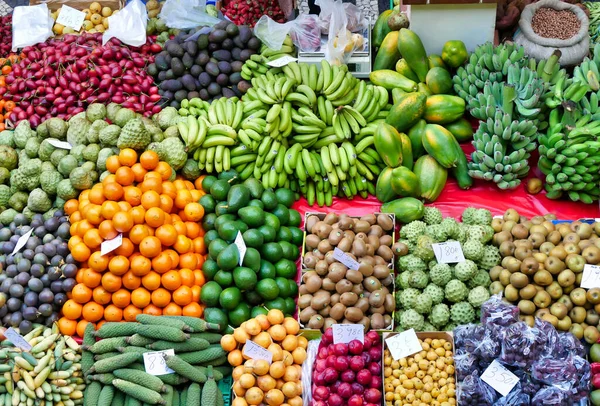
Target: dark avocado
[
  {"x": 222, "y": 55},
  {"x": 187, "y": 61}
]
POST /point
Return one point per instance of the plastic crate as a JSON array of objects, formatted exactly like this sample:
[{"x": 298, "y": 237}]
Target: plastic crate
[{"x": 224, "y": 386}]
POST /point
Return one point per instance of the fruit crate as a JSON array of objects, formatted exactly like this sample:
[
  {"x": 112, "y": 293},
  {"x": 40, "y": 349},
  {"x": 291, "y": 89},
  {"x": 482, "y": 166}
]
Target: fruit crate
[
  {"x": 224, "y": 386},
  {"x": 390, "y": 265},
  {"x": 54, "y": 5}
]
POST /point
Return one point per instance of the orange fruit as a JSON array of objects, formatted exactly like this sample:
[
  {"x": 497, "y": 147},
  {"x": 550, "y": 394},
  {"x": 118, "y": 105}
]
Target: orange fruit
[
  {"x": 131, "y": 281},
  {"x": 66, "y": 326},
  {"x": 139, "y": 172},
  {"x": 162, "y": 263},
  {"x": 132, "y": 195},
  {"x": 153, "y": 310},
  {"x": 109, "y": 209},
  {"x": 113, "y": 313},
  {"x": 171, "y": 280},
  {"x": 193, "y": 310},
  {"x": 113, "y": 191},
  {"x": 71, "y": 309},
  {"x": 111, "y": 282},
  {"x": 140, "y": 297},
  {"x": 81, "y": 293},
  {"x": 101, "y": 295},
  {"x": 125, "y": 176},
  {"x": 172, "y": 309},
  {"x": 118, "y": 265},
  {"x": 150, "y": 198},
  {"x": 91, "y": 278},
  {"x": 155, "y": 217},
  {"x": 164, "y": 169},
  {"x": 126, "y": 249},
  {"x": 98, "y": 262},
  {"x": 183, "y": 295},
  {"x": 127, "y": 157},
  {"x": 194, "y": 211},
  {"x": 92, "y": 311},
  {"x": 121, "y": 298},
  {"x": 81, "y": 325},
  {"x": 161, "y": 297},
  {"x": 149, "y": 160},
  {"x": 131, "y": 312},
  {"x": 167, "y": 234},
  {"x": 186, "y": 275},
  {"x": 123, "y": 221},
  {"x": 107, "y": 230},
  {"x": 140, "y": 265},
  {"x": 151, "y": 281},
  {"x": 138, "y": 232},
  {"x": 112, "y": 163},
  {"x": 150, "y": 247}
]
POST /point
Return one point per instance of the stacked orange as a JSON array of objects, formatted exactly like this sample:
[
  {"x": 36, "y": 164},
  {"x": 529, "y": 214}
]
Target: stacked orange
[{"x": 157, "y": 268}]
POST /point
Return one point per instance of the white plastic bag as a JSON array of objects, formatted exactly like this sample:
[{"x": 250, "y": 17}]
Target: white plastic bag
[
  {"x": 185, "y": 14},
  {"x": 271, "y": 33},
  {"x": 31, "y": 25},
  {"x": 128, "y": 25},
  {"x": 304, "y": 31},
  {"x": 338, "y": 35}
]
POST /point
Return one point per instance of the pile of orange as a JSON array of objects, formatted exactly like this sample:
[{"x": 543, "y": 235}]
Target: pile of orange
[
  {"x": 6, "y": 106},
  {"x": 157, "y": 268}
]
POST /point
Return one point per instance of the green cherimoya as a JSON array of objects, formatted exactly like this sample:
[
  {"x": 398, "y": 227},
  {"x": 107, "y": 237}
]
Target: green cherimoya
[
  {"x": 9, "y": 158},
  {"x": 468, "y": 214},
  {"x": 450, "y": 227},
  {"x": 95, "y": 111},
  {"x": 424, "y": 249},
  {"x": 22, "y": 133},
  {"x": 403, "y": 280},
  {"x": 109, "y": 136},
  {"x": 432, "y": 215},
  {"x": 478, "y": 296},
  {"x": 412, "y": 319},
  {"x": 32, "y": 167},
  {"x": 411, "y": 262},
  {"x": 171, "y": 131},
  {"x": 57, "y": 128},
  {"x": 18, "y": 200},
  {"x": 418, "y": 279},
  {"x": 45, "y": 151},
  {"x": 7, "y": 138},
  {"x": 155, "y": 132},
  {"x": 4, "y": 195},
  {"x": 22, "y": 181},
  {"x": 7, "y": 216},
  {"x": 428, "y": 327},
  {"x": 472, "y": 249},
  {"x": 413, "y": 230},
  {"x": 134, "y": 135},
  {"x": 103, "y": 155},
  {"x": 456, "y": 291},
  {"x": 4, "y": 175},
  {"x": 490, "y": 258},
  {"x": 440, "y": 274},
  {"x": 436, "y": 231},
  {"x": 408, "y": 297},
  {"x": 32, "y": 147},
  {"x": 440, "y": 315},
  {"x": 39, "y": 201},
  {"x": 423, "y": 303},
  {"x": 90, "y": 153},
  {"x": 124, "y": 116},
  {"x": 81, "y": 179},
  {"x": 77, "y": 152},
  {"x": 66, "y": 165},
  {"x": 174, "y": 152},
  {"x": 65, "y": 190},
  {"x": 111, "y": 111},
  {"x": 481, "y": 278},
  {"x": 49, "y": 181},
  {"x": 463, "y": 271},
  {"x": 435, "y": 292},
  {"x": 462, "y": 313},
  {"x": 190, "y": 170},
  {"x": 57, "y": 155},
  {"x": 482, "y": 217},
  {"x": 77, "y": 132},
  {"x": 93, "y": 134},
  {"x": 166, "y": 117}
]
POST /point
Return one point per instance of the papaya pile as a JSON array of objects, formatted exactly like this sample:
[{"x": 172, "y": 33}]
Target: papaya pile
[{"x": 419, "y": 139}]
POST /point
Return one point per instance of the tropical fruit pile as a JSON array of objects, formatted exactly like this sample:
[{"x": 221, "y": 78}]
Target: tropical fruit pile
[
  {"x": 154, "y": 265},
  {"x": 96, "y": 19},
  {"x": 247, "y": 217},
  {"x": 255, "y": 379},
  {"x": 436, "y": 296},
  {"x": 45, "y": 367},
  {"x": 116, "y": 367},
  {"x": 542, "y": 270}
]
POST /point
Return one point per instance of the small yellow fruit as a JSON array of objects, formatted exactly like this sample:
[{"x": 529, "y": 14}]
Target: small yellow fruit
[
  {"x": 68, "y": 30},
  {"x": 263, "y": 339},
  {"x": 254, "y": 396},
  {"x": 247, "y": 381},
  {"x": 239, "y": 401},
  {"x": 96, "y": 19},
  {"x": 291, "y": 325},
  {"x": 277, "y": 369},
  {"x": 58, "y": 29},
  {"x": 266, "y": 382},
  {"x": 263, "y": 321},
  {"x": 88, "y": 13},
  {"x": 275, "y": 316},
  {"x": 261, "y": 367},
  {"x": 240, "y": 335},
  {"x": 114, "y": 12},
  {"x": 228, "y": 342},
  {"x": 95, "y": 7},
  {"x": 274, "y": 397},
  {"x": 290, "y": 343},
  {"x": 299, "y": 355},
  {"x": 253, "y": 327},
  {"x": 100, "y": 28},
  {"x": 277, "y": 332},
  {"x": 106, "y": 11},
  {"x": 237, "y": 372},
  {"x": 289, "y": 389}
]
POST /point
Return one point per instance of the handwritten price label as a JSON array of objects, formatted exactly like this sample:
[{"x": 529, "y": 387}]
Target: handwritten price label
[
  {"x": 284, "y": 60},
  {"x": 255, "y": 351},
  {"x": 591, "y": 276},
  {"x": 17, "y": 339},
  {"x": 404, "y": 344},
  {"x": 344, "y": 333},
  {"x": 345, "y": 259},
  {"x": 449, "y": 252},
  {"x": 499, "y": 378},
  {"x": 22, "y": 241},
  {"x": 70, "y": 17},
  {"x": 111, "y": 245},
  {"x": 59, "y": 144},
  {"x": 241, "y": 246},
  {"x": 155, "y": 364}
]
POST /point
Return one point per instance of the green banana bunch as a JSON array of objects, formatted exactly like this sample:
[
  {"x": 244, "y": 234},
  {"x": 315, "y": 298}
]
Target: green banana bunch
[
  {"x": 529, "y": 90},
  {"x": 258, "y": 64}
]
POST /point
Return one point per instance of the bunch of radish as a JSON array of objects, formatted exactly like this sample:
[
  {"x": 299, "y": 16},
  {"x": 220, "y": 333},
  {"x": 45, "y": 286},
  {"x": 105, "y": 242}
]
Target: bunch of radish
[
  {"x": 248, "y": 12},
  {"x": 61, "y": 77},
  {"x": 5, "y": 35},
  {"x": 348, "y": 374}
]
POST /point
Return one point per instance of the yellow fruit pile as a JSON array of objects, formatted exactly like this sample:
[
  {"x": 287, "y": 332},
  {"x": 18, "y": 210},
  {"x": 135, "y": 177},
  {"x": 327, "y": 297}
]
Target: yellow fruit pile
[
  {"x": 255, "y": 381},
  {"x": 426, "y": 377},
  {"x": 96, "y": 20}
]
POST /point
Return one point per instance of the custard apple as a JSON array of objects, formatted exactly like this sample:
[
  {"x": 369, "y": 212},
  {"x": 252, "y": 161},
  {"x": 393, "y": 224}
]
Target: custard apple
[
  {"x": 463, "y": 271},
  {"x": 408, "y": 297},
  {"x": 7, "y": 216},
  {"x": 7, "y": 138},
  {"x": 478, "y": 296},
  {"x": 77, "y": 132},
  {"x": 482, "y": 217},
  {"x": 111, "y": 111},
  {"x": 190, "y": 170},
  {"x": 423, "y": 249},
  {"x": 77, "y": 152},
  {"x": 9, "y": 158},
  {"x": 166, "y": 116},
  {"x": 412, "y": 263},
  {"x": 490, "y": 258},
  {"x": 103, "y": 155},
  {"x": 418, "y": 279},
  {"x": 481, "y": 278},
  {"x": 124, "y": 116},
  {"x": 22, "y": 133},
  {"x": 39, "y": 201},
  {"x": 175, "y": 153},
  {"x": 440, "y": 274},
  {"x": 33, "y": 167},
  {"x": 66, "y": 165},
  {"x": 440, "y": 315},
  {"x": 57, "y": 128},
  {"x": 65, "y": 190},
  {"x": 49, "y": 181},
  {"x": 432, "y": 215},
  {"x": 171, "y": 131},
  {"x": 32, "y": 147},
  {"x": 412, "y": 319},
  {"x": 155, "y": 132},
  {"x": 435, "y": 293},
  {"x": 413, "y": 230},
  {"x": 436, "y": 231},
  {"x": 473, "y": 250},
  {"x": 450, "y": 327},
  {"x": 18, "y": 201},
  {"x": 456, "y": 291},
  {"x": 450, "y": 227},
  {"x": 23, "y": 181},
  {"x": 95, "y": 111},
  {"x": 81, "y": 179},
  {"x": 109, "y": 136},
  {"x": 93, "y": 134},
  {"x": 133, "y": 135},
  {"x": 462, "y": 313},
  {"x": 402, "y": 280},
  {"x": 423, "y": 303},
  {"x": 57, "y": 155},
  {"x": 428, "y": 327},
  {"x": 4, "y": 195},
  {"x": 468, "y": 215}
]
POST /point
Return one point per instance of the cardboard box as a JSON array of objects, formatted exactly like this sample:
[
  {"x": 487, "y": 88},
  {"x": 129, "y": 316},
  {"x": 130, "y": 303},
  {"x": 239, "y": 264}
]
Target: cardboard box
[
  {"x": 321, "y": 216},
  {"x": 81, "y": 5}
]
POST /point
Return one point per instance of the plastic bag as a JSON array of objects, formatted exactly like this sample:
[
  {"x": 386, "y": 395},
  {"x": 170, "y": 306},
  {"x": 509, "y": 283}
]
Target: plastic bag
[
  {"x": 496, "y": 311},
  {"x": 339, "y": 39},
  {"x": 465, "y": 363},
  {"x": 473, "y": 391},
  {"x": 356, "y": 21},
  {"x": 570, "y": 345},
  {"x": 128, "y": 25},
  {"x": 521, "y": 345},
  {"x": 184, "y": 14},
  {"x": 555, "y": 372},
  {"x": 31, "y": 25},
  {"x": 553, "y": 346},
  {"x": 551, "y": 396},
  {"x": 304, "y": 31},
  {"x": 516, "y": 397}
]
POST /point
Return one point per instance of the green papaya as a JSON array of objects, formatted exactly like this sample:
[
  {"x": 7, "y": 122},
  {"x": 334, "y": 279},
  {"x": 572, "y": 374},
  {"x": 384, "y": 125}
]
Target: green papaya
[
  {"x": 381, "y": 28},
  {"x": 461, "y": 171},
  {"x": 397, "y": 95},
  {"x": 391, "y": 79},
  {"x": 405, "y": 182},
  {"x": 388, "y": 54},
  {"x": 407, "y": 111},
  {"x": 415, "y": 134},
  {"x": 461, "y": 129},
  {"x": 440, "y": 144},
  {"x": 388, "y": 144},
  {"x": 405, "y": 209},
  {"x": 432, "y": 177},
  {"x": 436, "y": 61},
  {"x": 423, "y": 88},
  {"x": 443, "y": 109},
  {"x": 407, "y": 155},
  {"x": 383, "y": 188},
  {"x": 411, "y": 48},
  {"x": 403, "y": 69},
  {"x": 439, "y": 80}
]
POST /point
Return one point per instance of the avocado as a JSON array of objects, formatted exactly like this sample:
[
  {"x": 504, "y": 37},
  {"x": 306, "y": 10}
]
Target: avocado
[
  {"x": 254, "y": 44},
  {"x": 227, "y": 92},
  {"x": 235, "y": 78},
  {"x": 224, "y": 219},
  {"x": 236, "y": 53},
  {"x": 173, "y": 85},
  {"x": 169, "y": 74},
  {"x": 285, "y": 197},
  {"x": 161, "y": 62},
  {"x": 222, "y": 80},
  {"x": 208, "y": 223},
  {"x": 212, "y": 69},
  {"x": 255, "y": 187},
  {"x": 174, "y": 49},
  {"x": 216, "y": 246},
  {"x": 252, "y": 259},
  {"x": 230, "y": 176},
  {"x": 213, "y": 46},
  {"x": 188, "y": 82},
  {"x": 202, "y": 58},
  {"x": 196, "y": 70},
  {"x": 221, "y": 208},
  {"x": 153, "y": 69},
  {"x": 236, "y": 66},
  {"x": 207, "y": 182},
  {"x": 232, "y": 30},
  {"x": 219, "y": 189},
  {"x": 162, "y": 75},
  {"x": 227, "y": 44},
  {"x": 191, "y": 48},
  {"x": 181, "y": 95},
  {"x": 205, "y": 79},
  {"x": 217, "y": 36},
  {"x": 245, "y": 33},
  {"x": 187, "y": 61},
  {"x": 282, "y": 214},
  {"x": 204, "y": 94},
  {"x": 253, "y": 216},
  {"x": 224, "y": 67},
  {"x": 210, "y": 268},
  {"x": 202, "y": 41},
  {"x": 177, "y": 67},
  {"x": 208, "y": 203},
  {"x": 245, "y": 55},
  {"x": 228, "y": 231},
  {"x": 238, "y": 197},
  {"x": 229, "y": 258},
  {"x": 253, "y": 238},
  {"x": 222, "y": 55}
]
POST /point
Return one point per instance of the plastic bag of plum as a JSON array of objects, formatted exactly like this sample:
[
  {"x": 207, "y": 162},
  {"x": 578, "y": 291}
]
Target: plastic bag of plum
[
  {"x": 348, "y": 374},
  {"x": 496, "y": 311},
  {"x": 489, "y": 346},
  {"x": 551, "y": 396},
  {"x": 516, "y": 397},
  {"x": 561, "y": 373},
  {"x": 467, "y": 336},
  {"x": 473, "y": 391},
  {"x": 584, "y": 374},
  {"x": 552, "y": 346},
  {"x": 466, "y": 363},
  {"x": 569, "y": 345},
  {"x": 521, "y": 345}
]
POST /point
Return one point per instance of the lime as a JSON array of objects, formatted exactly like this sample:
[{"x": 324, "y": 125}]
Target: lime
[
  {"x": 267, "y": 270},
  {"x": 223, "y": 278},
  {"x": 289, "y": 250},
  {"x": 269, "y": 199},
  {"x": 239, "y": 314},
  {"x": 210, "y": 236},
  {"x": 208, "y": 223},
  {"x": 209, "y": 295},
  {"x": 284, "y": 287},
  {"x": 284, "y": 234},
  {"x": 272, "y": 221},
  {"x": 290, "y": 306},
  {"x": 252, "y": 297},
  {"x": 256, "y": 310},
  {"x": 208, "y": 203},
  {"x": 252, "y": 259},
  {"x": 207, "y": 182},
  {"x": 295, "y": 218},
  {"x": 230, "y": 298},
  {"x": 271, "y": 252},
  {"x": 267, "y": 289},
  {"x": 253, "y": 238},
  {"x": 285, "y": 197},
  {"x": 282, "y": 213},
  {"x": 219, "y": 189},
  {"x": 293, "y": 287},
  {"x": 244, "y": 278},
  {"x": 256, "y": 203},
  {"x": 277, "y": 303},
  {"x": 217, "y": 316},
  {"x": 210, "y": 269},
  {"x": 268, "y": 233},
  {"x": 286, "y": 268},
  {"x": 297, "y": 236},
  {"x": 229, "y": 258}
]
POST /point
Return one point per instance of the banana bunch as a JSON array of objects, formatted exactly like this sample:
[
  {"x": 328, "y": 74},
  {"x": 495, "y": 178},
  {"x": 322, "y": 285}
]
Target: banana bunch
[
  {"x": 258, "y": 64},
  {"x": 529, "y": 90},
  {"x": 590, "y": 105},
  {"x": 587, "y": 73},
  {"x": 570, "y": 159},
  {"x": 567, "y": 92}
]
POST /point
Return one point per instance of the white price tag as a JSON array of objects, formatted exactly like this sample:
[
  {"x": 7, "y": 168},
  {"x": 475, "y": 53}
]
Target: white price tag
[
  {"x": 344, "y": 333},
  {"x": 22, "y": 241},
  {"x": 591, "y": 276},
  {"x": 449, "y": 252},
  {"x": 499, "y": 378},
  {"x": 404, "y": 344},
  {"x": 255, "y": 351},
  {"x": 70, "y": 17},
  {"x": 155, "y": 364},
  {"x": 57, "y": 143},
  {"x": 345, "y": 259},
  {"x": 241, "y": 246},
  {"x": 284, "y": 60},
  {"x": 111, "y": 245},
  {"x": 17, "y": 339}
]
